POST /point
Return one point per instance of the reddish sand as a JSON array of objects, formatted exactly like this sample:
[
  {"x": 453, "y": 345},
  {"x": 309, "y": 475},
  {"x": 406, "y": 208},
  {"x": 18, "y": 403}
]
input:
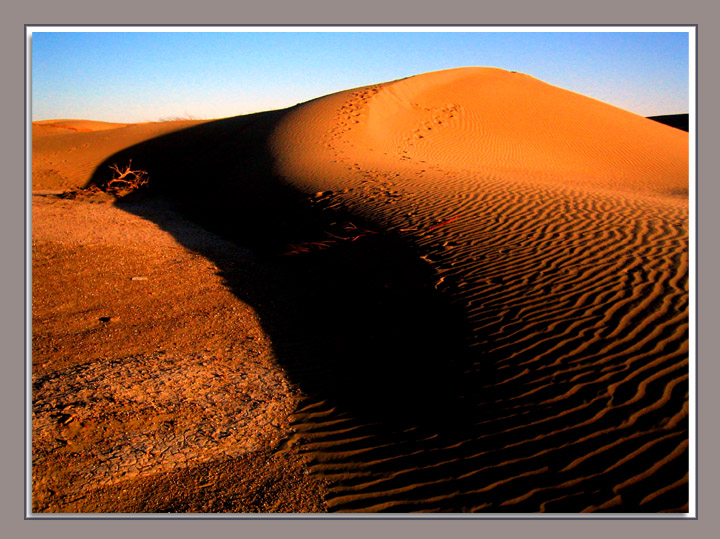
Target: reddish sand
[{"x": 494, "y": 314}]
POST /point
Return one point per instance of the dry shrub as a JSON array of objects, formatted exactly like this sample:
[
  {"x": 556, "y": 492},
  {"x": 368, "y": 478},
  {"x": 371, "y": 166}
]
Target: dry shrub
[{"x": 126, "y": 180}]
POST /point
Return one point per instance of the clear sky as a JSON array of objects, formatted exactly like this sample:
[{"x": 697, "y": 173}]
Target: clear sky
[{"x": 137, "y": 77}]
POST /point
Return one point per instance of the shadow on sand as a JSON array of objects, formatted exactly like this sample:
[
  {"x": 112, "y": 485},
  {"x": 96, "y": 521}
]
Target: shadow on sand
[
  {"x": 359, "y": 328},
  {"x": 357, "y": 325}
]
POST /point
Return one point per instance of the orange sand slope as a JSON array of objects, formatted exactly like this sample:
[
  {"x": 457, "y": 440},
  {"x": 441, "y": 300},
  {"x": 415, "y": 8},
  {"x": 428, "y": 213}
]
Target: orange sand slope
[{"x": 558, "y": 225}]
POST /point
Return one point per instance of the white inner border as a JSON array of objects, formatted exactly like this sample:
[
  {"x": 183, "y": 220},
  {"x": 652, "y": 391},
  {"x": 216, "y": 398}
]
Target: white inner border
[{"x": 692, "y": 171}]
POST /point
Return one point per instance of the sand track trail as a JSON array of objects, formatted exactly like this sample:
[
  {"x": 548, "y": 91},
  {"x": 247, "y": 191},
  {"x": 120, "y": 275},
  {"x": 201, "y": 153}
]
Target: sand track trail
[{"x": 480, "y": 288}]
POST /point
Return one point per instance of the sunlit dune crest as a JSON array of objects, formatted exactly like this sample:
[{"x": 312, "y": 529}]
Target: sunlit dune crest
[{"x": 506, "y": 124}]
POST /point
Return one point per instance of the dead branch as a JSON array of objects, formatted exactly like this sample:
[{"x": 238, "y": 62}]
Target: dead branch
[{"x": 127, "y": 179}]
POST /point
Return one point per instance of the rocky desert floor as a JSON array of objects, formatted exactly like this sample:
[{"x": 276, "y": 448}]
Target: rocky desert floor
[{"x": 154, "y": 387}]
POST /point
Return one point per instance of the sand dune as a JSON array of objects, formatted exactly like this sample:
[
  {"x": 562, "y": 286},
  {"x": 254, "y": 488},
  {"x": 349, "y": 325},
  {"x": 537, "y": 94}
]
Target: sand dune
[
  {"x": 483, "y": 287},
  {"x": 565, "y": 246}
]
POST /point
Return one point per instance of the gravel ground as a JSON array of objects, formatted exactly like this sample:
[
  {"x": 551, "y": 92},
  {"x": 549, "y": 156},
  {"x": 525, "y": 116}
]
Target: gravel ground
[{"x": 154, "y": 387}]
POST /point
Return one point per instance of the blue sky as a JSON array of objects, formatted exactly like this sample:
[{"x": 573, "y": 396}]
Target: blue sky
[{"x": 136, "y": 77}]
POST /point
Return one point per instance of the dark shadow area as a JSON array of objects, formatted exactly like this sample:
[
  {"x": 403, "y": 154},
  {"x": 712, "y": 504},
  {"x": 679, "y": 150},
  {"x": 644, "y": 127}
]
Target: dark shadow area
[{"x": 356, "y": 323}]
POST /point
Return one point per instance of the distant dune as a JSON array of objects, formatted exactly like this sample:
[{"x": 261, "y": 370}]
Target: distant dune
[
  {"x": 77, "y": 125},
  {"x": 679, "y": 121},
  {"x": 482, "y": 284}
]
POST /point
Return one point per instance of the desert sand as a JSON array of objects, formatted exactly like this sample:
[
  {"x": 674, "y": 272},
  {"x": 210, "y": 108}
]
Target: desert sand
[{"x": 467, "y": 291}]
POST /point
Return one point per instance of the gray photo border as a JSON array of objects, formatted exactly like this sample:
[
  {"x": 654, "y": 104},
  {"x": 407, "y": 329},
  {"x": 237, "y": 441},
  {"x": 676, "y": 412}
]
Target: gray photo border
[{"x": 13, "y": 273}]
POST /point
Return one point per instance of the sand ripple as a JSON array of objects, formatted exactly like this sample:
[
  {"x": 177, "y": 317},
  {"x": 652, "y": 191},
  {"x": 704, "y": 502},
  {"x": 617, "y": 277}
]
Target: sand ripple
[{"x": 559, "y": 226}]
